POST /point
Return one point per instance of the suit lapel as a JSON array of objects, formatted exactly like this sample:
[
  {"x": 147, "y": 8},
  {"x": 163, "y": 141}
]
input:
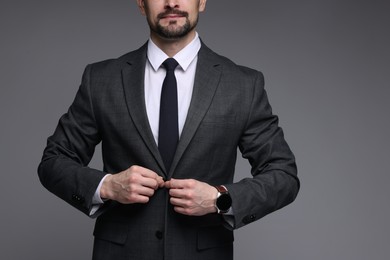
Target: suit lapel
[
  {"x": 207, "y": 77},
  {"x": 133, "y": 77}
]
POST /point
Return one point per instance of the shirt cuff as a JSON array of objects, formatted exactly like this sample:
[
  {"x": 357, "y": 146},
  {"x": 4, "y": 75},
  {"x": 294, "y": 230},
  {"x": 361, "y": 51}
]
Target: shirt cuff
[
  {"x": 97, "y": 201},
  {"x": 229, "y": 217}
]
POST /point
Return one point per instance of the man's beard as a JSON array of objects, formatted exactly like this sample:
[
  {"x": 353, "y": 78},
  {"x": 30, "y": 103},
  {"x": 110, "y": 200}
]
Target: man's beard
[
  {"x": 167, "y": 33},
  {"x": 170, "y": 33}
]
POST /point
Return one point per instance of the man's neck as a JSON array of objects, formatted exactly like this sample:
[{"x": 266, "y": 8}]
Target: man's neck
[{"x": 172, "y": 46}]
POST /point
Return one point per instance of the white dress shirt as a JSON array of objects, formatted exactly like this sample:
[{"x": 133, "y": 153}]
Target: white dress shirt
[{"x": 154, "y": 77}]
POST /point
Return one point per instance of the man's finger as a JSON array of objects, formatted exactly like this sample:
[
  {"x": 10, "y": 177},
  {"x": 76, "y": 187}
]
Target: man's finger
[
  {"x": 179, "y": 193},
  {"x": 145, "y": 172},
  {"x": 140, "y": 199},
  {"x": 160, "y": 181},
  {"x": 144, "y": 191},
  {"x": 177, "y": 184},
  {"x": 179, "y": 202},
  {"x": 149, "y": 177},
  {"x": 149, "y": 183}
]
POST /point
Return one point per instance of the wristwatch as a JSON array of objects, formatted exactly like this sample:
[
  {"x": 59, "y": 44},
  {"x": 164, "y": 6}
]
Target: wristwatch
[{"x": 224, "y": 201}]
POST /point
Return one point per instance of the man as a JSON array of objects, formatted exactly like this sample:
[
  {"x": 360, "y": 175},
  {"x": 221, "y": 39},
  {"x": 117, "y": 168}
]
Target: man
[{"x": 150, "y": 202}]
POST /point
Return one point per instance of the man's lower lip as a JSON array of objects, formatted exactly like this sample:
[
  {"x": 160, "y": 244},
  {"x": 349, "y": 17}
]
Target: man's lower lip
[{"x": 172, "y": 17}]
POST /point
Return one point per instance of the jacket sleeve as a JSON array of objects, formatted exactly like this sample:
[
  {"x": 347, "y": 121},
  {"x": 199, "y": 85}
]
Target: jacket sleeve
[
  {"x": 63, "y": 169},
  {"x": 274, "y": 183}
]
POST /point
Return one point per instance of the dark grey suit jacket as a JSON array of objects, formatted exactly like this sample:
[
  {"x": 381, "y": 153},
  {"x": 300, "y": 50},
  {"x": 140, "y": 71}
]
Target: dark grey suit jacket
[{"x": 229, "y": 109}]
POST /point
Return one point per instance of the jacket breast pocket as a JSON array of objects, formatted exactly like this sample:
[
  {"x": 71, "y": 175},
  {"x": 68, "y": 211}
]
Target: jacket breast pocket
[
  {"x": 214, "y": 236},
  {"x": 220, "y": 119}
]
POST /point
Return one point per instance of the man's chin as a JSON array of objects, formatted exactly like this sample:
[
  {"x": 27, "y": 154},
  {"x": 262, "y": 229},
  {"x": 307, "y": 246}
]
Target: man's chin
[{"x": 173, "y": 33}]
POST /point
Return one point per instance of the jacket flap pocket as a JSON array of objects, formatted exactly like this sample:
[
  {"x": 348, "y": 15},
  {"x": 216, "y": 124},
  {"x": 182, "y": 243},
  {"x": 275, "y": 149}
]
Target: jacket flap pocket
[
  {"x": 111, "y": 231},
  {"x": 214, "y": 236}
]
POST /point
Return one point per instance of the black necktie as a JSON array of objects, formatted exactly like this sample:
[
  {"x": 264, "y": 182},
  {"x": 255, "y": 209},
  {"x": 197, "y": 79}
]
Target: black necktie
[{"x": 168, "y": 135}]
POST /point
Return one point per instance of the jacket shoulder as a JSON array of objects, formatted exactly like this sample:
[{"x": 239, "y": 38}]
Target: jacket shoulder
[
  {"x": 110, "y": 65},
  {"x": 230, "y": 65}
]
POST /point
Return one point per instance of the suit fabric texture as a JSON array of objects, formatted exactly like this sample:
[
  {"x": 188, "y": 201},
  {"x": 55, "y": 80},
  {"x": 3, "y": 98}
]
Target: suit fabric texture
[{"x": 229, "y": 109}]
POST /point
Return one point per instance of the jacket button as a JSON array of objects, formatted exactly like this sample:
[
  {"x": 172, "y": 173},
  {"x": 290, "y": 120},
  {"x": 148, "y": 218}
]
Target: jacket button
[
  {"x": 249, "y": 219},
  {"x": 77, "y": 199},
  {"x": 159, "y": 235}
]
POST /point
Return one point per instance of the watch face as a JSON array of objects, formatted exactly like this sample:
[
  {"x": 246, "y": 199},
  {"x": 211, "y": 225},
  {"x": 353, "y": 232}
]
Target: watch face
[{"x": 224, "y": 202}]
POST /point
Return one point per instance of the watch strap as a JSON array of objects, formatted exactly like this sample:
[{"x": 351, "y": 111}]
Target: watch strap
[{"x": 221, "y": 189}]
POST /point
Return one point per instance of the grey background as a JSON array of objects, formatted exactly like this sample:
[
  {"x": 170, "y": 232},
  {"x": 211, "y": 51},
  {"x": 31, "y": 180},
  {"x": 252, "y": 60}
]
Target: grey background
[{"x": 326, "y": 64}]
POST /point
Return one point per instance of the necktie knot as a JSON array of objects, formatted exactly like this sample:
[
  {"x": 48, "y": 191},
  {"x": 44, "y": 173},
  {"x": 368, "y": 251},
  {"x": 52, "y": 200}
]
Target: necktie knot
[{"x": 170, "y": 64}]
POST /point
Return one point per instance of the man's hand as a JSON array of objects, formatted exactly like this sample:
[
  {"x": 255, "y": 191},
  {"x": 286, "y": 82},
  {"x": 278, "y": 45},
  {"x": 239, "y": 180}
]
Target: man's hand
[
  {"x": 192, "y": 197},
  {"x": 134, "y": 185}
]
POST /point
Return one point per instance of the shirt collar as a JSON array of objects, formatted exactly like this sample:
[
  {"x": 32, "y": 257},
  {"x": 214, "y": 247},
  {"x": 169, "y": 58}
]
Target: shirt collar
[{"x": 184, "y": 57}]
